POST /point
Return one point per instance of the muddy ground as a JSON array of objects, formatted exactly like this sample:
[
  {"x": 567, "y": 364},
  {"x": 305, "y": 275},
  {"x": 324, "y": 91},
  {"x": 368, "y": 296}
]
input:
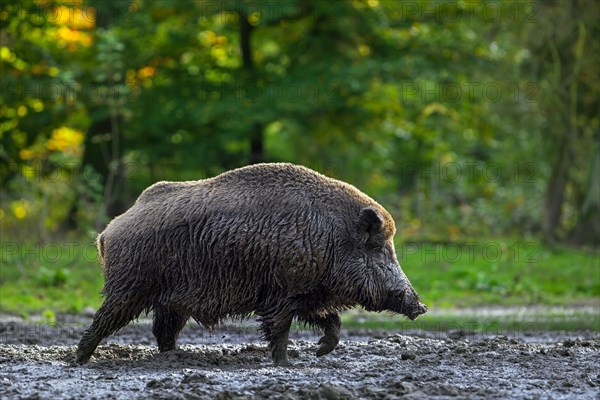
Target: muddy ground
[{"x": 36, "y": 361}]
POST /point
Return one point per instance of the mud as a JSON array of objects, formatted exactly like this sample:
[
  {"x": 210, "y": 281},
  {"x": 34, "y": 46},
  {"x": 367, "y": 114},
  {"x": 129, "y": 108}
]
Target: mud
[{"x": 36, "y": 361}]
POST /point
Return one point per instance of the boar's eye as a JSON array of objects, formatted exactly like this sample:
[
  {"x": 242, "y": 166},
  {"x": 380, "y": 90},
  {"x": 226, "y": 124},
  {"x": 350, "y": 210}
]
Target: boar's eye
[{"x": 373, "y": 246}]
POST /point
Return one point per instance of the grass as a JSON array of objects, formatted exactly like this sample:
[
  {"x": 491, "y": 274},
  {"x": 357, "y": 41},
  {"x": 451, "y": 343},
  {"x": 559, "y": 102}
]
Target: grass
[
  {"x": 62, "y": 277},
  {"x": 500, "y": 272},
  {"x": 512, "y": 320},
  {"x": 65, "y": 277}
]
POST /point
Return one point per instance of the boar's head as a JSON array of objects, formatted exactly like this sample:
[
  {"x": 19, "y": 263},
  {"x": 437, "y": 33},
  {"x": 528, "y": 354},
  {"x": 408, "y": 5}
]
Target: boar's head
[{"x": 372, "y": 275}]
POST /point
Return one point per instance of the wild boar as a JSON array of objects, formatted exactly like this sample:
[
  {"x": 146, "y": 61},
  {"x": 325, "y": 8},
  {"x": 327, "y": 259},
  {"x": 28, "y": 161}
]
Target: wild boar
[{"x": 276, "y": 240}]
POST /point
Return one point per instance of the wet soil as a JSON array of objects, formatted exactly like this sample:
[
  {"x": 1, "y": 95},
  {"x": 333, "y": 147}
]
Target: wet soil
[{"x": 36, "y": 361}]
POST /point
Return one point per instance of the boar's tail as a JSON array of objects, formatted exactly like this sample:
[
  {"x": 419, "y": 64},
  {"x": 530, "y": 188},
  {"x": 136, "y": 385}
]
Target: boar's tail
[{"x": 101, "y": 245}]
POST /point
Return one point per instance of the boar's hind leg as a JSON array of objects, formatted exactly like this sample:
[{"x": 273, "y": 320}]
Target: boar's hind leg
[
  {"x": 330, "y": 325},
  {"x": 276, "y": 329},
  {"x": 166, "y": 327},
  {"x": 112, "y": 316}
]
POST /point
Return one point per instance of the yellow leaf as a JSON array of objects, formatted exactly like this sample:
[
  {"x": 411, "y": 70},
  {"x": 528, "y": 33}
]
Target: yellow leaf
[
  {"x": 146, "y": 72},
  {"x": 5, "y": 54},
  {"x": 434, "y": 108},
  {"x": 26, "y": 154},
  {"x": 65, "y": 139},
  {"x": 19, "y": 209}
]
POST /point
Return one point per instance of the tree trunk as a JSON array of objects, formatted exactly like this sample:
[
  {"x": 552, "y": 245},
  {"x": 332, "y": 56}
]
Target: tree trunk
[
  {"x": 102, "y": 154},
  {"x": 587, "y": 230},
  {"x": 555, "y": 192},
  {"x": 256, "y": 144}
]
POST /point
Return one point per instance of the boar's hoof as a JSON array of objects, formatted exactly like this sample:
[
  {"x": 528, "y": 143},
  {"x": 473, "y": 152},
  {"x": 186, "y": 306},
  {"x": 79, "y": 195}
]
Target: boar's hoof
[
  {"x": 328, "y": 344},
  {"x": 280, "y": 359},
  {"x": 282, "y": 362},
  {"x": 169, "y": 347},
  {"x": 82, "y": 359}
]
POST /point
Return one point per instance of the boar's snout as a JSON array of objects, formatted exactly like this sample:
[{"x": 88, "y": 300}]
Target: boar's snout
[
  {"x": 416, "y": 311},
  {"x": 406, "y": 302}
]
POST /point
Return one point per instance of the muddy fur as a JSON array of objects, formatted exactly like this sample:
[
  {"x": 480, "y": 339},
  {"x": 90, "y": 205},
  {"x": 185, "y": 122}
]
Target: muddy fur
[{"x": 276, "y": 240}]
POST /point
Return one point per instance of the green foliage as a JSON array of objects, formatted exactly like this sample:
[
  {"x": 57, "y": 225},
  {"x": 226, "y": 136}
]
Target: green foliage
[
  {"x": 390, "y": 96},
  {"x": 49, "y": 317},
  {"x": 462, "y": 121},
  {"x": 54, "y": 277}
]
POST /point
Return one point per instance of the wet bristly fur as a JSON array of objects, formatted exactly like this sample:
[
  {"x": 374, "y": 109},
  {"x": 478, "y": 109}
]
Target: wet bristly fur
[{"x": 277, "y": 240}]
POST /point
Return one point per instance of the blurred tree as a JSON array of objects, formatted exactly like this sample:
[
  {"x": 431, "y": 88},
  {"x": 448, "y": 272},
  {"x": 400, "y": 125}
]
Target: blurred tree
[
  {"x": 565, "y": 58},
  {"x": 104, "y": 77},
  {"x": 395, "y": 97}
]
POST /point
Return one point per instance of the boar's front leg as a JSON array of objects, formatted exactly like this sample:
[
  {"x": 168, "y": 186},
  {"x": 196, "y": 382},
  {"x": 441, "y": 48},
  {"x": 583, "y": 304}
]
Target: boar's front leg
[
  {"x": 330, "y": 324},
  {"x": 276, "y": 329}
]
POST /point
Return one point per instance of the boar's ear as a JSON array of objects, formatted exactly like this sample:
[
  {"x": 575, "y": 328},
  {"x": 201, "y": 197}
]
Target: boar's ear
[{"x": 369, "y": 220}]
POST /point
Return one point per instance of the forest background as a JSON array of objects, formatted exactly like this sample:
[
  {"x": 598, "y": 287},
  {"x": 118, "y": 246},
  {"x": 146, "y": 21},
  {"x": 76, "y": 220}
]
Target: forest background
[{"x": 475, "y": 123}]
